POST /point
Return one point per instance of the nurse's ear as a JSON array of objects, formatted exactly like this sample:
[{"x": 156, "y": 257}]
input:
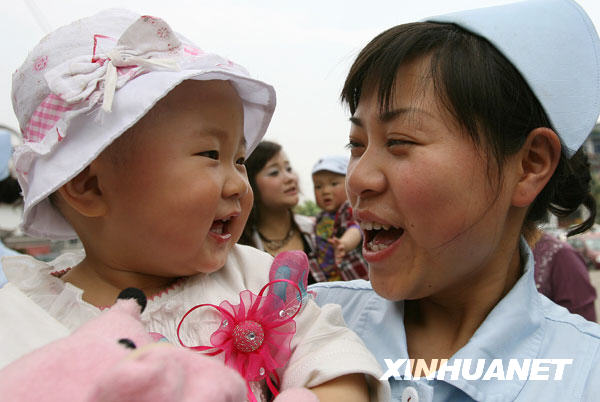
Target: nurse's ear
[{"x": 538, "y": 159}]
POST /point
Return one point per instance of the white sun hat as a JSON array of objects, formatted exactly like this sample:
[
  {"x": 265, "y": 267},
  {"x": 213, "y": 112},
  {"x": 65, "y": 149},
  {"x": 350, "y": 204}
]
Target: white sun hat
[
  {"x": 555, "y": 47},
  {"x": 86, "y": 83}
]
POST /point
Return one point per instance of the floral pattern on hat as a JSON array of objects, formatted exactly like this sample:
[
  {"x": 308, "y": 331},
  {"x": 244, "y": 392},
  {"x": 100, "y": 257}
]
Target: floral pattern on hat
[{"x": 64, "y": 91}]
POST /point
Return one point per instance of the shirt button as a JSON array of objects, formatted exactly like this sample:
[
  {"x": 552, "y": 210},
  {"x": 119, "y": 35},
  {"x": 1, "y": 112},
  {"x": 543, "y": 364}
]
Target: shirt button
[{"x": 410, "y": 394}]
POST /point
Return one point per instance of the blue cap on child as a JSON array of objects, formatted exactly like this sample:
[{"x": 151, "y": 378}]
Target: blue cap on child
[
  {"x": 5, "y": 153},
  {"x": 335, "y": 163},
  {"x": 556, "y": 49}
]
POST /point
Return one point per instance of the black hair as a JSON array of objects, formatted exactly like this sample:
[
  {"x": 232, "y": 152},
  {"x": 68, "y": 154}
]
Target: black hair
[
  {"x": 484, "y": 93},
  {"x": 262, "y": 154}
]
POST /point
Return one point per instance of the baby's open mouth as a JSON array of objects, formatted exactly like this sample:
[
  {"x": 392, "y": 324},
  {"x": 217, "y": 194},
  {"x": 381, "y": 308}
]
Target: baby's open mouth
[
  {"x": 378, "y": 236},
  {"x": 220, "y": 227}
]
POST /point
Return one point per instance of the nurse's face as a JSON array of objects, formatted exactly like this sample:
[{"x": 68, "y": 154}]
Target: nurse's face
[{"x": 433, "y": 219}]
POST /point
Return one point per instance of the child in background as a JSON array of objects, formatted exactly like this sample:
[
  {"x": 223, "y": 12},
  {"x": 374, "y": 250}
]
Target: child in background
[
  {"x": 135, "y": 140},
  {"x": 337, "y": 235}
]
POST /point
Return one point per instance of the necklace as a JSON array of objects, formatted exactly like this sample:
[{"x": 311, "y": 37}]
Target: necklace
[{"x": 276, "y": 244}]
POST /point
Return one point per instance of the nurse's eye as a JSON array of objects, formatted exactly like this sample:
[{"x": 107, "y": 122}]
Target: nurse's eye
[
  {"x": 209, "y": 154},
  {"x": 397, "y": 142},
  {"x": 356, "y": 148},
  {"x": 240, "y": 161}
]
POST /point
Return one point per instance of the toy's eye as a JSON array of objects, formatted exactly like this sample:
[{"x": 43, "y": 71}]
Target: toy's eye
[{"x": 128, "y": 343}]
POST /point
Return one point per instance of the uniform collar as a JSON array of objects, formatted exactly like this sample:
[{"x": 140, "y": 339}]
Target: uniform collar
[{"x": 512, "y": 330}]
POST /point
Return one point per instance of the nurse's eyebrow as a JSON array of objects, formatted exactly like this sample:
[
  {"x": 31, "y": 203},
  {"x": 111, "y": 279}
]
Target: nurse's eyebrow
[
  {"x": 390, "y": 115},
  {"x": 356, "y": 121}
]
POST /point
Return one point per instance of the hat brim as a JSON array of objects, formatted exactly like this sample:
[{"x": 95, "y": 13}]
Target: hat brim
[{"x": 88, "y": 136}]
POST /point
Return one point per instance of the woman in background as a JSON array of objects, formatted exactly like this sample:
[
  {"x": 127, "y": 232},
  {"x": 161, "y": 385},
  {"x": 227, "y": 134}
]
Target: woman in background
[{"x": 273, "y": 226}]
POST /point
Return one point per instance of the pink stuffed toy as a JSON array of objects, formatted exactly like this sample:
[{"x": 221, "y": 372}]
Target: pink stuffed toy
[{"x": 113, "y": 358}]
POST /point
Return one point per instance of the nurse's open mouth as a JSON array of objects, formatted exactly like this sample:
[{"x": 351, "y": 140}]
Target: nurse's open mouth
[{"x": 379, "y": 236}]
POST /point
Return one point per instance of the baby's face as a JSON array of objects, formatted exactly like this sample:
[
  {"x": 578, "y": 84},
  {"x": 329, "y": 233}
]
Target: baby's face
[
  {"x": 179, "y": 195},
  {"x": 330, "y": 190}
]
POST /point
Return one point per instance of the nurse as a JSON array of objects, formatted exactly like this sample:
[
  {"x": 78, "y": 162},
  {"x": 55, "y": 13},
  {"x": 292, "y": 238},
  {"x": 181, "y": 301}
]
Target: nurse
[{"x": 465, "y": 133}]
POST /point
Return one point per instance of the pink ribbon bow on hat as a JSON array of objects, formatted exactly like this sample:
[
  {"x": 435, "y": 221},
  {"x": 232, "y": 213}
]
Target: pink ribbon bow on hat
[{"x": 146, "y": 45}]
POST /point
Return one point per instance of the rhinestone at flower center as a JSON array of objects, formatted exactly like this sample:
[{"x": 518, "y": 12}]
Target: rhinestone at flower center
[{"x": 248, "y": 336}]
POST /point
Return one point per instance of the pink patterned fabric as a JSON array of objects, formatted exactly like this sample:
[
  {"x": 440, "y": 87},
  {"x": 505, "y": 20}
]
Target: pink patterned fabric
[{"x": 45, "y": 117}]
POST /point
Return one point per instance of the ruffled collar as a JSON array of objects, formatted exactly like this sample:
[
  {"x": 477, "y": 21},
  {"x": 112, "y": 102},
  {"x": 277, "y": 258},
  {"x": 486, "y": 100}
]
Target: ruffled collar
[
  {"x": 60, "y": 299},
  {"x": 41, "y": 282}
]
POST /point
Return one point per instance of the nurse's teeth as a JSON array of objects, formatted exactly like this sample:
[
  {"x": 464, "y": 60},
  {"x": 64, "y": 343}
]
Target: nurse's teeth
[
  {"x": 376, "y": 247},
  {"x": 375, "y": 226}
]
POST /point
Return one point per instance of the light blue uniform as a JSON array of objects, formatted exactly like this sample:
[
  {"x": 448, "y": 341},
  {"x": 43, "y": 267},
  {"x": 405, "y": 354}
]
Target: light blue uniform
[{"x": 523, "y": 325}]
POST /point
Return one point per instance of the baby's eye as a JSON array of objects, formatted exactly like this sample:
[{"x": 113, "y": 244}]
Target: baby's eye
[
  {"x": 273, "y": 173},
  {"x": 288, "y": 169},
  {"x": 209, "y": 154},
  {"x": 240, "y": 161}
]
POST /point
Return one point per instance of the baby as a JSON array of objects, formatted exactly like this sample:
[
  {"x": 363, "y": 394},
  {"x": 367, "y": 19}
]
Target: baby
[
  {"x": 337, "y": 235},
  {"x": 134, "y": 141}
]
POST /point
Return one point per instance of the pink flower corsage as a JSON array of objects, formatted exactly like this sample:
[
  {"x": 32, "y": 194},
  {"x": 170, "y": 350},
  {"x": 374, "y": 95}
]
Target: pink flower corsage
[{"x": 255, "y": 335}]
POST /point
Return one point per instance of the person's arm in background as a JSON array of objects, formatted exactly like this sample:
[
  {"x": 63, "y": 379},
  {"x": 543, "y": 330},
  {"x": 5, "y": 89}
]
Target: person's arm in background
[
  {"x": 571, "y": 286},
  {"x": 348, "y": 241}
]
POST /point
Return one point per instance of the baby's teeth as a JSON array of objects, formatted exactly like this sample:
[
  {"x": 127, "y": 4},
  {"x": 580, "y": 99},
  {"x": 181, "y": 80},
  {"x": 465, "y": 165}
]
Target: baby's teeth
[{"x": 218, "y": 230}]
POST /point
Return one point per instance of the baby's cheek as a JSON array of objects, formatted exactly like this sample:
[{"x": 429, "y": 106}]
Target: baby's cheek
[{"x": 246, "y": 202}]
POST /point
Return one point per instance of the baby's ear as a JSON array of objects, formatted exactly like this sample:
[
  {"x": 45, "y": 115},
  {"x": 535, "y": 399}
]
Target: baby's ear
[{"x": 83, "y": 194}]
